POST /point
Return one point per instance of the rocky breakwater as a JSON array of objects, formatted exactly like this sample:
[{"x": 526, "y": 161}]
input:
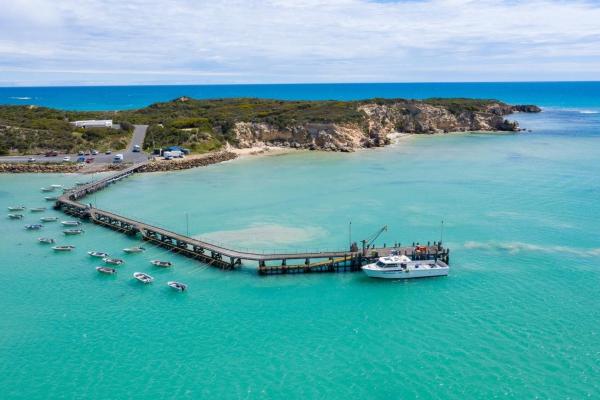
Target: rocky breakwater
[
  {"x": 188, "y": 162},
  {"x": 380, "y": 119},
  {"x": 15, "y": 167}
]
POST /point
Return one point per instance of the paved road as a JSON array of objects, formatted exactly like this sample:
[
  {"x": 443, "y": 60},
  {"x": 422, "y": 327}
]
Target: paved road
[{"x": 139, "y": 133}]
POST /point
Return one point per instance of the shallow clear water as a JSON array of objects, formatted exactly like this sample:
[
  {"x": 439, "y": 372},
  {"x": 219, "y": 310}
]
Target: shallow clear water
[{"x": 518, "y": 317}]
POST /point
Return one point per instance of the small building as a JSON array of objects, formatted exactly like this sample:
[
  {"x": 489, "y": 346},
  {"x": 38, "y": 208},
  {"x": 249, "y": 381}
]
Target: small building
[{"x": 94, "y": 123}]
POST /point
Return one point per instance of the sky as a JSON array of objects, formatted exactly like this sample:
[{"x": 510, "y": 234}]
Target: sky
[{"x": 103, "y": 42}]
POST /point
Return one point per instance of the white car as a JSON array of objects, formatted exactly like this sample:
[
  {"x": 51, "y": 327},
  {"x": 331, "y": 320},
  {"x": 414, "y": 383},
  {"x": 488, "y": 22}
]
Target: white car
[
  {"x": 67, "y": 158},
  {"x": 31, "y": 159}
]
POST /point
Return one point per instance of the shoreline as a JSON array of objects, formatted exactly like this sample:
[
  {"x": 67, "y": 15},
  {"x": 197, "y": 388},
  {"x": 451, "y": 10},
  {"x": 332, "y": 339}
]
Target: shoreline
[{"x": 228, "y": 153}]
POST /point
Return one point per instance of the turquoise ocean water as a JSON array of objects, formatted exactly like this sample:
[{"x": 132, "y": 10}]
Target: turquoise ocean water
[{"x": 518, "y": 317}]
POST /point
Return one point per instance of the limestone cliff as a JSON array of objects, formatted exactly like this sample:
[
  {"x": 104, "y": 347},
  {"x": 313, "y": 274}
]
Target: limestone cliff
[{"x": 380, "y": 120}]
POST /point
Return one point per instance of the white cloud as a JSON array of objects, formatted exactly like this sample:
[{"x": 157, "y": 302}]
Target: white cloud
[{"x": 292, "y": 41}]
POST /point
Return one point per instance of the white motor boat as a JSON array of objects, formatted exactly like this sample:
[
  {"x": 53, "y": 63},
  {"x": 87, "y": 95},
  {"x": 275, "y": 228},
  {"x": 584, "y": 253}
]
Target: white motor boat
[
  {"x": 33, "y": 227},
  {"x": 73, "y": 231},
  {"x": 16, "y": 208},
  {"x": 63, "y": 248},
  {"x": 49, "y": 219},
  {"x": 71, "y": 223},
  {"x": 15, "y": 216},
  {"x": 106, "y": 270},
  {"x": 47, "y": 189},
  {"x": 180, "y": 287},
  {"x": 136, "y": 249},
  {"x": 142, "y": 277},
  {"x": 38, "y": 209},
  {"x": 162, "y": 264},
  {"x": 51, "y": 198},
  {"x": 46, "y": 240},
  {"x": 402, "y": 267},
  {"x": 98, "y": 254},
  {"x": 113, "y": 261},
  {"x": 56, "y": 186}
]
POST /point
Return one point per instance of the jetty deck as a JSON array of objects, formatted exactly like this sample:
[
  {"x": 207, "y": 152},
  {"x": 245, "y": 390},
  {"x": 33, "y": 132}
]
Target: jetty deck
[{"x": 228, "y": 258}]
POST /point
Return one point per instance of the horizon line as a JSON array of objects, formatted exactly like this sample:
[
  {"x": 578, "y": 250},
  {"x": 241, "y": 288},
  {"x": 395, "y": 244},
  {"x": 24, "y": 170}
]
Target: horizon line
[{"x": 288, "y": 84}]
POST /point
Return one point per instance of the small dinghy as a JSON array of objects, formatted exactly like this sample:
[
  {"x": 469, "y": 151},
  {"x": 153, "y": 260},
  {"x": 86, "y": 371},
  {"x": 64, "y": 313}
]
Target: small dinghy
[
  {"x": 106, "y": 270},
  {"x": 162, "y": 264},
  {"x": 136, "y": 249},
  {"x": 38, "y": 209},
  {"x": 49, "y": 219},
  {"x": 98, "y": 254},
  {"x": 51, "y": 198},
  {"x": 113, "y": 261},
  {"x": 73, "y": 231},
  {"x": 180, "y": 287},
  {"x": 56, "y": 186},
  {"x": 46, "y": 240},
  {"x": 71, "y": 223},
  {"x": 142, "y": 277},
  {"x": 15, "y": 216},
  {"x": 33, "y": 227},
  {"x": 16, "y": 208},
  {"x": 67, "y": 247},
  {"x": 47, "y": 189}
]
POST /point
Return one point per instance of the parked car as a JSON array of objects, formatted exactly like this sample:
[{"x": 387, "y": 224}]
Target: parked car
[
  {"x": 118, "y": 158},
  {"x": 108, "y": 152},
  {"x": 67, "y": 158},
  {"x": 94, "y": 152},
  {"x": 31, "y": 159},
  {"x": 51, "y": 154},
  {"x": 81, "y": 159},
  {"x": 80, "y": 153},
  {"x": 88, "y": 153},
  {"x": 89, "y": 160},
  {"x": 136, "y": 148}
]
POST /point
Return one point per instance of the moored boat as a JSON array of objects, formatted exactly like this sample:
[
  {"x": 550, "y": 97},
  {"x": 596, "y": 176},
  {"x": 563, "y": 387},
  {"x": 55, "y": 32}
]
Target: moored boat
[
  {"x": 142, "y": 277},
  {"x": 113, "y": 261},
  {"x": 402, "y": 267},
  {"x": 136, "y": 249},
  {"x": 51, "y": 198},
  {"x": 49, "y": 219},
  {"x": 73, "y": 231},
  {"x": 98, "y": 254},
  {"x": 15, "y": 216},
  {"x": 56, "y": 186},
  {"x": 71, "y": 223},
  {"x": 46, "y": 240},
  {"x": 38, "y": 209},
  {"x": 16, "y": 208},
  {"x": 106, "y": 270},
  {"x": 162, "y": 264},
  {"x": 180, "y": 287},
  {"x": 33, "y": 227},
  {"x": 66, "y": 247},
  {"x": 47, "y": 189}
]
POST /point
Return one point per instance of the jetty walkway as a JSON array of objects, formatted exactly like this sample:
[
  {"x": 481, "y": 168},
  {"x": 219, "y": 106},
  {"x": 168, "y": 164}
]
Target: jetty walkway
[{"x": 227, "y": 258}]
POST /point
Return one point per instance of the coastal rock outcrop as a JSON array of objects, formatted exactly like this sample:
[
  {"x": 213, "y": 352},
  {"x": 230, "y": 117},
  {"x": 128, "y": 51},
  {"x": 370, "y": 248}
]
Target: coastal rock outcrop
[{"x": 380, "y": 120}]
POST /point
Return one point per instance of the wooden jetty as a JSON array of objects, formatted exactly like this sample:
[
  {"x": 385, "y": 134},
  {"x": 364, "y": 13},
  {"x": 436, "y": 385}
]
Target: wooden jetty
[{"x": 267, "y": 263}]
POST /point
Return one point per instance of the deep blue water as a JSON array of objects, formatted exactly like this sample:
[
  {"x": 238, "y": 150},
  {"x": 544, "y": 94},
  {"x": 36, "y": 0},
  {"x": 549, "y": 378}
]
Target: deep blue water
[{"x": 547, "y": 94}]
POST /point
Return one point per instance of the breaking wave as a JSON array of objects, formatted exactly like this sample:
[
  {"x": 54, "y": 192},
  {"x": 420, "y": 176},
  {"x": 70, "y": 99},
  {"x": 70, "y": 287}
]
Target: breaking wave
[
  {"x": 20, "y": 98},
  {"x": 521, "y": 247}
]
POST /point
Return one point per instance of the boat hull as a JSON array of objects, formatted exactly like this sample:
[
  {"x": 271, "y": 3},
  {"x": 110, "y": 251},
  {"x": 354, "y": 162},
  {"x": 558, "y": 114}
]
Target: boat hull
[{"x": 424, "y": 270}]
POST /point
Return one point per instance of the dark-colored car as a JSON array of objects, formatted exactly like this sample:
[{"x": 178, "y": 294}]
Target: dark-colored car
[
  {"x": 51, "y": 154},
  {"x": 89, "y": 160}
]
